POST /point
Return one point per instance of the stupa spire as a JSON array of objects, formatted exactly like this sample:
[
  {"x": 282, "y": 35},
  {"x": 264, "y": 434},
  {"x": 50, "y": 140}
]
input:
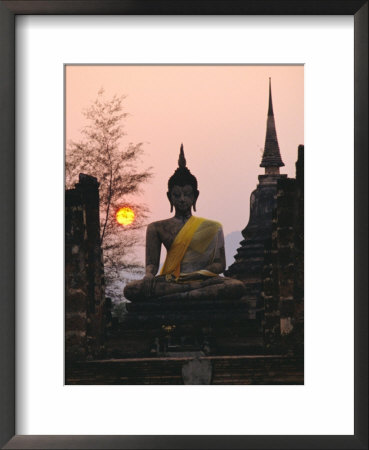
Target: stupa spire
[
  {"x": 271, "y": 160},
  {"x": 270, "y": 108}
]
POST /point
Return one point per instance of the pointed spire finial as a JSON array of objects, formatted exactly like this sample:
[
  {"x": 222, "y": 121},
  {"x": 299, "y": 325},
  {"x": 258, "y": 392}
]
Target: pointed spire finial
[
  {"x": 270, "y": 108},
  {"x": 271, "y": 157},
  {"x": 181, "y": 159}
]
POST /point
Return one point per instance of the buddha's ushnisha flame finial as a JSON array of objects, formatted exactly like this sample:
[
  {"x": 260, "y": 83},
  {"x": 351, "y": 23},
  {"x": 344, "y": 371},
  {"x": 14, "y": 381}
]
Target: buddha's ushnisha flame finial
[{"x": 181, "y": 159}]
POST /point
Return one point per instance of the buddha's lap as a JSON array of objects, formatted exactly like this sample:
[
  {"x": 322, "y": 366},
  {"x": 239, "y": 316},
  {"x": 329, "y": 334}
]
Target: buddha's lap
[{"x": 161, "y": 285}]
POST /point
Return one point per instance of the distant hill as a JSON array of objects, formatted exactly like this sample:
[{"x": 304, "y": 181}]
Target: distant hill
[{"x": 232, "y": 243}]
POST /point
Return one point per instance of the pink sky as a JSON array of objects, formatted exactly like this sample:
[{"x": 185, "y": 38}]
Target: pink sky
[{"x": 218, "y": 112}]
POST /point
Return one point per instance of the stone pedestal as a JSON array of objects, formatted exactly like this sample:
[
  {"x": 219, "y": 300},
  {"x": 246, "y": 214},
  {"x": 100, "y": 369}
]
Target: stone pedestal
[{"x": 213, "y": 327}]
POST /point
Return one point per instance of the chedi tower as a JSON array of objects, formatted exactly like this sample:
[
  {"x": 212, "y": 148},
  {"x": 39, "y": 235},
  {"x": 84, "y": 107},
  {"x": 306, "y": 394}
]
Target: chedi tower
[{"x": 249, "y": 259}]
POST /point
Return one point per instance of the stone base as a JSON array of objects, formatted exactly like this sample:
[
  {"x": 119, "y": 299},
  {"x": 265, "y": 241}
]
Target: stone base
[
  {"x": 174, "y": 370},
  {"x": 212, "y": 327}
]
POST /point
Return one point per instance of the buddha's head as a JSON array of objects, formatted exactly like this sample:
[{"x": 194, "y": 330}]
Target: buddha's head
[{"x": 182, "y": 187}]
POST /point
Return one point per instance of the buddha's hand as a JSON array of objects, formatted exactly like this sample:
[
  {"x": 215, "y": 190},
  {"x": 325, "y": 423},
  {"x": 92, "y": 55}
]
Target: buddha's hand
[
  {"x": 147, "y": 282},
  {"x": 193, "y": 276},
  {"x": 148, "y": 276}
]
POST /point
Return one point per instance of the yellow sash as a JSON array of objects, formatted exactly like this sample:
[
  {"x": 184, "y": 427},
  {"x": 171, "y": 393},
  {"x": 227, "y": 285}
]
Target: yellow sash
[{"x": 172, "y": 264}]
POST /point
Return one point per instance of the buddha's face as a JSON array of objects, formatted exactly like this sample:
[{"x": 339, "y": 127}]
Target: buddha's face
[{"x": 182, "y": 198}]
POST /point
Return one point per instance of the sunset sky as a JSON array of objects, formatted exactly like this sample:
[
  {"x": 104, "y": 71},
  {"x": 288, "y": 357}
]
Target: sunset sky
[{"x": 218, "y": 112}]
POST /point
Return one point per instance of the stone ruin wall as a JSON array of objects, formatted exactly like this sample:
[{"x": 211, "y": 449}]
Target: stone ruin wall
[
  {"x": 270, "y": 259},
  {"x": 283, "y": 271},
  {"x": 84, "y": 272}
]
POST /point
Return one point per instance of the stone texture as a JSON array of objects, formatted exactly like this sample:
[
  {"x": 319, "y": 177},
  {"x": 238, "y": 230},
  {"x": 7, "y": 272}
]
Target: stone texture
[
  {"x": 197, "y": 371},
  {"x": 84, "y": 274},
  {"x": 215, "y": 326},
  {"x": 226, "y": 370},
  {"x": 284, "y": 264},
  {"x": 249, "y": 260}
]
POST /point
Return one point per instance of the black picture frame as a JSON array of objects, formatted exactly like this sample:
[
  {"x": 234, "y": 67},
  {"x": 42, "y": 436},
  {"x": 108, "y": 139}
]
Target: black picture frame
[{"x": 8, "y": 12}]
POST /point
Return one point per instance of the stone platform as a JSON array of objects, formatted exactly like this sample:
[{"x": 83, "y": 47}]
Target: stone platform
[
  {"x": 226, "y": 370},
  {"x": 213, "y": 327}
]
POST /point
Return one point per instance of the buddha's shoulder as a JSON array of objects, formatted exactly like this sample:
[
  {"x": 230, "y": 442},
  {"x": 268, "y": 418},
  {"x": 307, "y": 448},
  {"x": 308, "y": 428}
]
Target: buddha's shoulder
[
  {"x": 160, "y": 224},
  {"x": 172, "y": 222},
  {"x": 211, "y": 222}
]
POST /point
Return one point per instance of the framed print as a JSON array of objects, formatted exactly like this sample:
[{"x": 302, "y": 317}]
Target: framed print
[{"x": 330, "y": 408}]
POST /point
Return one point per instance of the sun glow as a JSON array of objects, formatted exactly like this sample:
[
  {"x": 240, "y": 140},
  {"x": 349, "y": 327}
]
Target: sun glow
[{"x": 125, "y": 216}]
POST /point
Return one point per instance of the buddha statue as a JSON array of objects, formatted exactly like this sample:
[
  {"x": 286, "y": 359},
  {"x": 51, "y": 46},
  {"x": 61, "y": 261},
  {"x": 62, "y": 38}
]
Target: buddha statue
[{"x": 195, "y": 251}]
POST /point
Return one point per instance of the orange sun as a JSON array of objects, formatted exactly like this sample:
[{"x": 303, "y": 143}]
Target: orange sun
[{"x": 125, "y": 216}]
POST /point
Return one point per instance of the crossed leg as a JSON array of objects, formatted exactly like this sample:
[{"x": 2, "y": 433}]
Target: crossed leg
[{"x": 160, "y": 289}]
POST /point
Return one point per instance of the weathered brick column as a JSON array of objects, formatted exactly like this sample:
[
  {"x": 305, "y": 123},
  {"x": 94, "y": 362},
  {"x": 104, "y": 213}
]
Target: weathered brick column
[
  {"x": 283, "y": 273},
  {"x": 84, "y": 275}
]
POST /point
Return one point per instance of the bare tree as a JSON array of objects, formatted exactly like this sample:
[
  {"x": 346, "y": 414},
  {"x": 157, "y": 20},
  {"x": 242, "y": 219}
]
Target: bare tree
[{"x": 102, "y": 154}]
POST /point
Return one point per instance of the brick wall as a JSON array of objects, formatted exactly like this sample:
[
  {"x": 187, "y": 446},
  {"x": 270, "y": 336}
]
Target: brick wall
[
  {"x": 283, "y": 271},
  {"x": 84, "y": 274}
]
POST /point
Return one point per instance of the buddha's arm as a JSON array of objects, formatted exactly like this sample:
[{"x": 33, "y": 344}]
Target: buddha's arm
[
  {"x": 218, "y": 264},
  {"x": 153, "y": 245}
]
